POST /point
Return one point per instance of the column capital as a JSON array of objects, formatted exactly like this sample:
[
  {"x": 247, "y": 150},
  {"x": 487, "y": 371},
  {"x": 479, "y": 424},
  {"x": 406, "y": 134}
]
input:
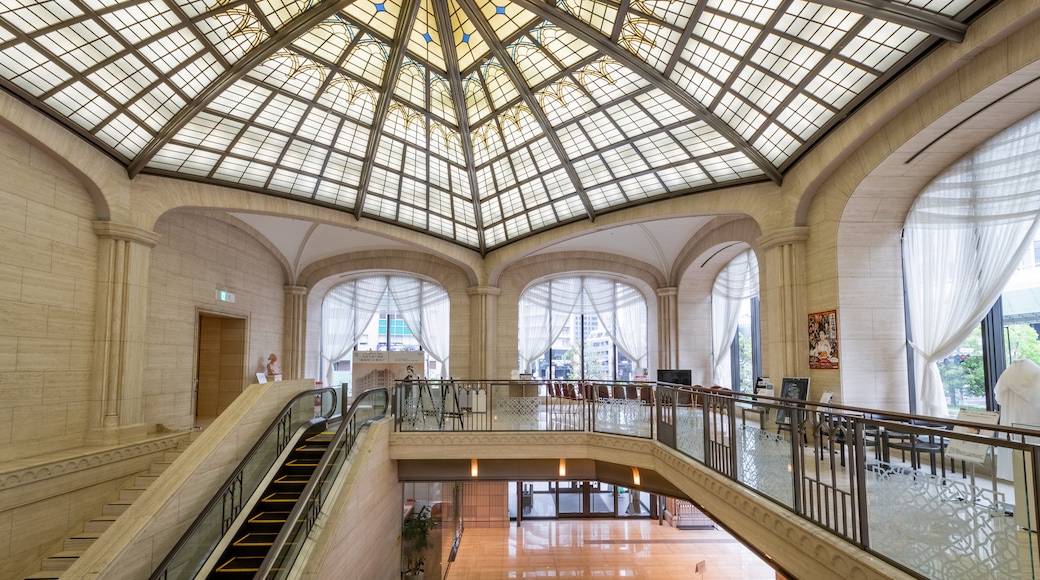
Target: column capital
[
  {"x": 483, "y": 290},
  {"x": 115, "y": 231},
  {"x": 668, "y": 291},
  {"x": 296, "y": 290},
  {"x": 782, "y": 237}
]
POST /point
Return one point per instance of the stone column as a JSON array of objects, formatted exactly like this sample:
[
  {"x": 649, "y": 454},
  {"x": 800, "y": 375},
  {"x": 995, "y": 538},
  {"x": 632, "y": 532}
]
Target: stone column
[
  {"x": 295, "y": 341},
  {"x": 668, "y": 328},
  {"x": 124, "y": 254},
  {"x": 784, "y": 312},
  {"x": 483, "y": 308}
]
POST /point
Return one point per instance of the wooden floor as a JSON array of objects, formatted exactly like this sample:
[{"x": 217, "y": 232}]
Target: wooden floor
[{"x": 603, "y": 548}]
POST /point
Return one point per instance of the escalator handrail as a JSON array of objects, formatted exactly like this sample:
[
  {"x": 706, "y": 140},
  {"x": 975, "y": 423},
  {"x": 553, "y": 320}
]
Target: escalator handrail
[
  {"x": 282, "y": 539},
  {"x": 160, "y": 572}
]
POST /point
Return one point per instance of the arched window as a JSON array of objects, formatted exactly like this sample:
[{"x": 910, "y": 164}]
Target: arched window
[
  {"x": 582, "y": 327},
  {"x": 966, "y": 235},
  {"x": 384, "y": 313},
  {"x": 734, "y": 306}
]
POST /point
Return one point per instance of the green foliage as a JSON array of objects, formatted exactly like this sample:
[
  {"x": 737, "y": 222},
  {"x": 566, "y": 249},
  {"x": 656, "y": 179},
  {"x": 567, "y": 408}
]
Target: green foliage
[{"x": 416, "y": 531}]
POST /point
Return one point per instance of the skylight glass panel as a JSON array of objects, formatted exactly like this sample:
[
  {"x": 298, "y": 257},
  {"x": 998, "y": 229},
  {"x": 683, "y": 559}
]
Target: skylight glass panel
[
  {"x": 700, "y": 139},
  {"x": 81, "y": 45},
  {"x": 533, "y": 64},
  {"x": 368, "y": 59},
  {"x": 563, "y": 101},
  {"x": 439, "y": 175},
  {"x": 498, "y": 84},
  {"x": 557, "y": 184},
  {"x": 487, "y": 143},
  {"x": 523, "y": 164},
  {"x": 213, "y": 131},
  {"x": 517, "y": 227},
  {"x": 518, "y": 126},
  {"x": 233, "y": 32},
  {"x": 389, "y": 152},
  {"x": 709, "y": 61},
  {"x": 739, "y": 114},
  {"x": 599, "y": 15},
  {"x": 569, "y": 208},
  {"x": 541, "y": 217},
  {"x": 438, "y": 202},
  {"x": 592, "y": 170},
  {"x": 242, "y": 99},
  {"x": 378, "y": 15},
  {"x": 442, "y": 226},
  {"x": 660, "y": 149},
  {"x": 122, "y": 79},
  {"x": 195, "y": 76},
  {"x": 506, "y": 18},
  {"x": 641, "y": 187},
  {"x": 881, "y": 44},
  {"x": 649, "y": 41},
  {"x": 411, "y": 83},
  {"x": 683, "y": 177},
  {"x": 343, "y": 169},
  {"x": 414, "y": 163},
  {"x": 623, "y": 160},
  {"x": 512, "y": 202},
  {"x": 156, "y": 107},
  {"x": 300, "y": 156},
  {"x": 336, "y": 194},
  {"x": 260, "y": 144},
  {"x": 494, "y": 235},
  {"x": 544, "y": 154},
  {"x": 491, "y": 210},
  {"x": 804, "y": 116},
  {"x": 280, "y": 12},
  {"x": 477, "y": 106},
  {"x": 606, "y": 80},
  {"x": 319, "y": 126},
  {"x": 412, "y": 192},
  {"x": 406, "y": 123},
  {"x": 353, "y": 139},
  {"x": 445, "y": 142},
  {"x": 124, "y": 135},
  {"x": 758, "y": 10},
  {"x": 139, "y": 22},
  {"x": 700, "y": 87},
  {"x": 81, "y": 104},
  {"x": 839, "y": 82},
  {"x": 172, "y": 50},
  {"x": 786, "y": 59},
  {"x": 776, "y": 143},
  {"x": 291, "y": 72},
  {"x": 820, "y": 26},
  {"x": 727, "y": 34},
  {"x": 762, "y": 90},
  {"x": 630, "y": 119},
  {"x": 384, "y": 183},
  {"x": 564, "y": 47},
  {"x": 377, "y": 206},
  {"x": 677, "y": 12},
  {"x": 601, "y": 131},
  {"x": 31, "y": 70},
  {"x": 442, "y": 104},
  {"x": 243, "y": 171},
  {"x": 464, "y": 213},
  {"x": 503, "y": 174},
  {"x": 604, "y": 196},
  {"x": 326, "y": 41},
  {"x": 282, "y": 113},
  {"x": 174, "y": 157},
  {"x": 947, "y": 7},
  {"x": 469, "y": 46},
  {"x": 40, "y": 14},
  {"x": 533, "y": 193},
  {"x": 294, "y": 183},
  {"x": 349, "y": 97},
  {"x": 663, "y": 109},
  {"x": 424, "y": 39}
]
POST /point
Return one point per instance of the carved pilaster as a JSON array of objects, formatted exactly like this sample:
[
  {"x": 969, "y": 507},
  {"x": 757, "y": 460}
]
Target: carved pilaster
[
  {"x": 124, "y": 254},
  {"x": 483, "y": 314},
  {"x": 295, "y": 332},
  {"x": 668, "y": 328},
  {"x": 783, "y": 299}
]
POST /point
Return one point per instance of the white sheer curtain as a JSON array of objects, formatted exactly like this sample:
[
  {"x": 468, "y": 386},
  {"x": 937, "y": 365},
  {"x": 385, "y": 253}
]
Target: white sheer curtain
[
  {"x": 622, "y": 314},
  {"x": 964, "y": 237},
  {"x": 545, "y": 310},
  {"x": 345, "y": 312},
  {"x": 426, "y": 310},
  {"x": 735, "y": 284}
]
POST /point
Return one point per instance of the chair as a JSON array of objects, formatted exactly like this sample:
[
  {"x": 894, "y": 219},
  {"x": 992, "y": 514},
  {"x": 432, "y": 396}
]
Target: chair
[{"x": 917, "y": 444}]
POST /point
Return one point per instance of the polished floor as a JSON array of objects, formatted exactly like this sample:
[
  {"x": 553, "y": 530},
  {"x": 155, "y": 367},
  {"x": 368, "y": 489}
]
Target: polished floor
[{"x": 603, "y": 549}]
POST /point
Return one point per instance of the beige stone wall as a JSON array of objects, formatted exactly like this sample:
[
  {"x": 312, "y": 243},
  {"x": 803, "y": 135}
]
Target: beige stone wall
[
  {"x": 196, "y": 256},
  {"x": 48, "y": 287}
]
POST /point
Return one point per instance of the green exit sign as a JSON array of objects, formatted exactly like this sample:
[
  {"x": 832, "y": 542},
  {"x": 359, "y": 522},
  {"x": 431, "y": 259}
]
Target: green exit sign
[{"x": 225, "y": 296}]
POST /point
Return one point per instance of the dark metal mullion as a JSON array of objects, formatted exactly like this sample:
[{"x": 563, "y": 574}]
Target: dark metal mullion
[
  {"x": 231, "y": 75},
  {"x": 254, "y": 9},
  {"x": 409, "y": 11},
  {"x": 905, "y": 15},
  {"x": 640, "y": 106},
  {"x": 619, "y": 21},
  {"x": 600, "y": 42},
  {"x": 497, "y": 49},
  {"x": 325, "y": 164},
  {"x": 246, "y": 125},
  {"x": 745, "y": 60},
  {"x": 454, "y": 77},
  {"x": 684, "y": 38},
  {"x": 812, "y": 75}
]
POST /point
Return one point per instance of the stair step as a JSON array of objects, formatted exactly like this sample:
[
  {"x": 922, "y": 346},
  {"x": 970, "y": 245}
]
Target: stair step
[
  {"x": 81, "y": 541},
  {"x": 115, "y": 508},
  {"x": 145, "y": 480},
  {"x": 170, "y": 454},
  {"x": 61, "y": 561},
  {"x": 45, "y": 575},
  {"x": 131, "y": 493},
  {"x": 158, "y": 467},
  {"x": 99, "y": 524}
]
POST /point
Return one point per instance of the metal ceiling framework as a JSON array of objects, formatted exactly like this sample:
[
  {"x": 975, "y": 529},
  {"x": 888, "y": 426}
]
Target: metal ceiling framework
[{"x": 627, "y": 101}]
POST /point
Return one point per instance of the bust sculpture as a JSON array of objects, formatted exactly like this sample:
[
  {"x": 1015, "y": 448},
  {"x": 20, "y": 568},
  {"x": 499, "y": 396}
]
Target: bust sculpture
[{"x": 272, "y": 365}]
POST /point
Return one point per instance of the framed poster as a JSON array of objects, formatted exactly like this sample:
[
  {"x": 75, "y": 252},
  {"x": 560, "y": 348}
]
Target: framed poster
[
  {"x": 823, "y": 340},
  {"x": 791, "y": 388}
]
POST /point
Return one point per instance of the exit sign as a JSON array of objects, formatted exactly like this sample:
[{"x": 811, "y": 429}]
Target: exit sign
[{"x": 225, "y": 296}]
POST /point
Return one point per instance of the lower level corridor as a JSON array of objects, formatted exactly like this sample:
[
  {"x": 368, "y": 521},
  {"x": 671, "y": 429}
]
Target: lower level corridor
[{"x": 603, "y": 548}]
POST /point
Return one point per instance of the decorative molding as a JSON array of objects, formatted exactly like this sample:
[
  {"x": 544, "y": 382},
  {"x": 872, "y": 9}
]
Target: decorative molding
[
  {"x": 782, "y": 237},
  {"x": 42, "y": 471},
  {"x": 112, "y": 230}
]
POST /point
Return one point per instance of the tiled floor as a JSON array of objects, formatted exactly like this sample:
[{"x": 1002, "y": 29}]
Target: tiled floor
[{"x": 603, "y": 548}]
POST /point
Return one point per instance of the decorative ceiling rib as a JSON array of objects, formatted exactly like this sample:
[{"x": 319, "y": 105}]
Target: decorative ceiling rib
[{"x": 480, "y": 122}]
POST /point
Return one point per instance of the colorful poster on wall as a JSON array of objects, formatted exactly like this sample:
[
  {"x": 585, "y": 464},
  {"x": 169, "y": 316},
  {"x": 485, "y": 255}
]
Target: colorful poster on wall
[{"x": 823, "y": 340}]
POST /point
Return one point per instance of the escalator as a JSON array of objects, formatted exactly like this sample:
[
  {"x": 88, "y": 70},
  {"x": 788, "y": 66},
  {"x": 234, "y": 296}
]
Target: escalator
[{"x": 253, "y": 539}]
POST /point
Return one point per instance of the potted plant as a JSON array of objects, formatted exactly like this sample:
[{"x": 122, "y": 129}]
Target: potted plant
[{"x": 415, "y": 535}]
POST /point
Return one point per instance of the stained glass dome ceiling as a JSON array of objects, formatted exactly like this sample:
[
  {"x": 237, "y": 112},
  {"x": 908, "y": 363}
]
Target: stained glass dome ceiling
[{"x": 478, "y": 121}]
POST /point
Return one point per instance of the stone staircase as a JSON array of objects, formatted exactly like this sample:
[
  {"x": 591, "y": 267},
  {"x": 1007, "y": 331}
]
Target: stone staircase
[{"x": 53, "y": 566}]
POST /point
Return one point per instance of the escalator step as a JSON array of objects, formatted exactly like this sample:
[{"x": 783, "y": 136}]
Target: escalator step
[
  {"x": 241, "y": 564},
  {"x": 256, "y": 539},
  {"x": 312, "y": 463},
  {"x": 269, "y": 518},
  {"x": 292, "y": 479},
  {"x": 311, "y": 448},
  {"x": 281, "y": 497}
]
